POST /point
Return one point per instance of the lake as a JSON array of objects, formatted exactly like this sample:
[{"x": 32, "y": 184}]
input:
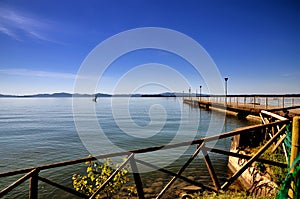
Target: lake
[{"x": 38, "y": 131}]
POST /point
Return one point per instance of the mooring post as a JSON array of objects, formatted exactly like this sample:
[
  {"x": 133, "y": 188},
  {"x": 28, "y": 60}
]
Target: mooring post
[{"x": 295, "y": 147}]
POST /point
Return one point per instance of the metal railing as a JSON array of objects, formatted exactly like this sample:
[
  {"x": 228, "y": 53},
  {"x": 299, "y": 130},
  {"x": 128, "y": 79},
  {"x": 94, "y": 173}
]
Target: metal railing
[{"x": 264, "y": 101}]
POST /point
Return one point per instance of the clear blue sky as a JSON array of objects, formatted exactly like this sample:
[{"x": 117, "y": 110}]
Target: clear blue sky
[{"x": 255, "y": 43}]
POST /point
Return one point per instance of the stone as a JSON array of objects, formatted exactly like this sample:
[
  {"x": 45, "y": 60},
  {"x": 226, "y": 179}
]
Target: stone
[
  {"x": 148, "y": 190},
  {"x": 157, "y": 184},
  {"x": 191, "y": 188}
]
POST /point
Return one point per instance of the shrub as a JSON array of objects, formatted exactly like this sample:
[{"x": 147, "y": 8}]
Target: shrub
[{"x": 97, "y": 174}]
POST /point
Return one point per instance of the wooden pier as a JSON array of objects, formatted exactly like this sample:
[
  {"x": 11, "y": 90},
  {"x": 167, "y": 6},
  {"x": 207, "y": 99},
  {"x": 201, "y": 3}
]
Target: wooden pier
[{"x": 244, "y": 105}]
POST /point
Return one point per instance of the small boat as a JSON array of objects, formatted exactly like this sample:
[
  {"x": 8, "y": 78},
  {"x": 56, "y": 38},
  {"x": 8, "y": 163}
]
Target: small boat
[{"x": 95, "y": 98}]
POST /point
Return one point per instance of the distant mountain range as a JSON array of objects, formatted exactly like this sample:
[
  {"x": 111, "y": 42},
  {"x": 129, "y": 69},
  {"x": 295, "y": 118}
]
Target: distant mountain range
[
  {"x": 167, "y": 94},
  {"x": 57, "y": 95}
]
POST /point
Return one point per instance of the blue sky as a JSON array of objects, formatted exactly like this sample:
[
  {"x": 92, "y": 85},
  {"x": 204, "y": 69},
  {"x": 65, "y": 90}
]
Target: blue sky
[{"x": 255, "y": 43}]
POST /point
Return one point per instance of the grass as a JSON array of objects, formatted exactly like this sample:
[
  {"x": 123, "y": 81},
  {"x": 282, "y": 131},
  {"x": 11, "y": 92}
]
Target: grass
[
  {"x": 229, "y": 195},
  {"x": 277, "y": 174}
]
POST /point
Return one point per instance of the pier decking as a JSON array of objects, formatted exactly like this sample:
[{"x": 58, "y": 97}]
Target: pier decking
[{"x": 244, "y": 105}]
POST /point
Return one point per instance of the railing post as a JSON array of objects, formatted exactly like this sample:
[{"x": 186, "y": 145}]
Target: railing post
[
  {"x": 283, "y": 102},
  {"x": 181, "y": 170},
  {"x": 252, "y": 159},
  {"x": 210, "y": 169},
  {"x": 137, "y": 178},
  {"x": 266, "y": 102},
  {"x": 33, "y": 185}
]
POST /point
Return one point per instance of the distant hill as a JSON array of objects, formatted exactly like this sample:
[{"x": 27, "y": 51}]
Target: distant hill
[
  {"x": 63, "y": 94},
  {"x": 152, "y": 95},
  {"x": 57, "y": 95},
  {"x": 126, "y": 95},
  {"x": 7, "y": 95},
  {"x": 168, "y": 94}
]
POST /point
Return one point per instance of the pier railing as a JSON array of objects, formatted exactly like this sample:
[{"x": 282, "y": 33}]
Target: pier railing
[{"x": 264, "y": 101}]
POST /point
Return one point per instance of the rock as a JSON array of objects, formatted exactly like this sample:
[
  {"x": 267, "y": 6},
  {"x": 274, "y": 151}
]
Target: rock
[
  {"x": 150, "y": 196},
  {"x": 191, "y": 178},
  {"x": 157, "y": 184},
  {"x": 191, "y": 188},
  {"x": 181, "y": 185},
  {"x": 160, "y": 179},
  {"x": 186, "y": 196},
  {"x": 148, "y": 190}
]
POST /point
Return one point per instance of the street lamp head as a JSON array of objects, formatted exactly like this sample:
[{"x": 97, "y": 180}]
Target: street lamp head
[{"x": 226, "y": 78}]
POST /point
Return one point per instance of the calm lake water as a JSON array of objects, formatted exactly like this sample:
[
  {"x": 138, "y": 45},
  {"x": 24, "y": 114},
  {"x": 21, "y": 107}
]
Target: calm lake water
[{"x": 38, "y": 131}]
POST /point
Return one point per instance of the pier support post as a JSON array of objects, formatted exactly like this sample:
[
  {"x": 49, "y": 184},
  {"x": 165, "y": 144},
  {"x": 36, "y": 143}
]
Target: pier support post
[{"x": 295, "y": 147}]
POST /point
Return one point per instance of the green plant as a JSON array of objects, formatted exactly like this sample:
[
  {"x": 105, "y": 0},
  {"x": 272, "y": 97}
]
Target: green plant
[
  {"x": 261, "y": 167},
  {"x": 229, "y": 195},
  {"x": 278, "y": 174},
  {"x": 292, "y": 181},
  {"x": 97, "y": 174}
]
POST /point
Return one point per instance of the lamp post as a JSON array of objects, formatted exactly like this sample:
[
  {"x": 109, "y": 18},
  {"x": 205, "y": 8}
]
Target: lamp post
[
  {"x": 226, "y": 79},
  {"x": 190, "y": 93},
  {"x": 200, "y": 92}
]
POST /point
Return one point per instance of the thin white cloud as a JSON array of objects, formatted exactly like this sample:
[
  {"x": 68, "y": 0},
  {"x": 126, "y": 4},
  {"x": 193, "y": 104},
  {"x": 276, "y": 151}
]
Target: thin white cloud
[
  {"x": 291, "y": 74},
  {"x": 17, "y": 25},
  {"x": 8, "y": 32},
  {"x": 35, "y": 73}
]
